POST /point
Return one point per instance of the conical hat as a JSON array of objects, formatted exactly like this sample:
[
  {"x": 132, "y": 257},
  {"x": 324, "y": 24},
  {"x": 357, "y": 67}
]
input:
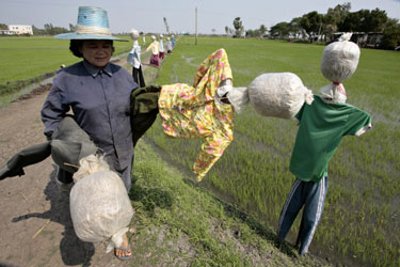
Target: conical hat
[{"x": 92, "y": 25}]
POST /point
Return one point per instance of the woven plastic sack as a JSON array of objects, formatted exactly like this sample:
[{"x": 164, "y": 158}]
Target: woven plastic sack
[
  {"x": 339, "y": 62},
  {"x": 340, "y": 59},
  {"x": 99, "y": 203},
  {"x": 278, "y": 95}
]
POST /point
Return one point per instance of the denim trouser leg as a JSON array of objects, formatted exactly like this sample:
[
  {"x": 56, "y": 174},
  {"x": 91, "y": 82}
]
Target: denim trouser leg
[
  {"x": 290, "y": 210},
  {"x": 312, "y": 196},
  {"x": 314, "y": 204}
]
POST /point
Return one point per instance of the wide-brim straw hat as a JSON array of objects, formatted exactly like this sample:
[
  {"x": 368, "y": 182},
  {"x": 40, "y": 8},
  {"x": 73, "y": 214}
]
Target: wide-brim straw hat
[{"x": 92, "y": 25}]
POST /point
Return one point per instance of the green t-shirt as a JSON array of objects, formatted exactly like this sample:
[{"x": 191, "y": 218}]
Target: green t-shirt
[{"x": 321, "y": 129}]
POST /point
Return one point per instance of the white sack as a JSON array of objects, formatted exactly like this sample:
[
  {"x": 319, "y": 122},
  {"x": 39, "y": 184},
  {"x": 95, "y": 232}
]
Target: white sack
[
  {"x": 99, "y": 203},
  {"x": 339, "y": 62},
  {"x": 278, "y": 94},
  {"x": 340, "y": 59}
]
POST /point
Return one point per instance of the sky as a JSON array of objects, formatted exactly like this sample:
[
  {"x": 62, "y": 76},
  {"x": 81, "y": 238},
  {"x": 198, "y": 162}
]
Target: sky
[{"x": 147, "y": 15}]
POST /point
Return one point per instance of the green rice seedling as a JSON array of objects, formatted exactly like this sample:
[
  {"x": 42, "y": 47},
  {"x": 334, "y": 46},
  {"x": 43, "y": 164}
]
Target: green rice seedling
[
  {"x": 179, "y": 223},
  {"x": 359, "y": 226},
  {"x": 24, "y": 58},
  {"x": 253, "y": 172}
]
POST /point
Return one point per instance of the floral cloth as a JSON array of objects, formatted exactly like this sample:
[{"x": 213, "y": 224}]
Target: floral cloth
[{"x": 193, "y": 112}]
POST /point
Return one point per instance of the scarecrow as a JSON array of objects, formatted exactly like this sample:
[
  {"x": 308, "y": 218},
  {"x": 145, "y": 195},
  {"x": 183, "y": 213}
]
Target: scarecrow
[
  {"x": 134, "y": 59},
  {"x": 323, "y": 119},
  {"x": 154, "y": 47},
  {"x": 322, "y": 125}
]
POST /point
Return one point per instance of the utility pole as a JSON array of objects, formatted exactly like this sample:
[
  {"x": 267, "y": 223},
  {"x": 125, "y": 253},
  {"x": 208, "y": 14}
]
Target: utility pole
[
  {"x": 195, "y": 23},
  {"x": 166, "y": 25}
]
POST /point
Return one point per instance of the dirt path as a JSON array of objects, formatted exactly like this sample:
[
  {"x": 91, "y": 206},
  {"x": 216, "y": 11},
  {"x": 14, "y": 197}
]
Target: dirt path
[{"x": 35, "y": 224}]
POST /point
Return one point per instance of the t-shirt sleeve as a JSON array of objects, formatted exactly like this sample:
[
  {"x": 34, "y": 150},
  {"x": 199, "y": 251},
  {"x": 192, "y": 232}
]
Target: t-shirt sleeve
[{"x": 358, "y": 123}]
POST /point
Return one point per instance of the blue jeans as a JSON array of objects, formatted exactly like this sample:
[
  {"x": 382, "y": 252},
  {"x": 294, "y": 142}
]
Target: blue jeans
[{"x": 311, "y": 195}]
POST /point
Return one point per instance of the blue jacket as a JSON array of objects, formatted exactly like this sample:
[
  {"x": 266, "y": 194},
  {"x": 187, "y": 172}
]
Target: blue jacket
[{"x": 100, "y": 102}]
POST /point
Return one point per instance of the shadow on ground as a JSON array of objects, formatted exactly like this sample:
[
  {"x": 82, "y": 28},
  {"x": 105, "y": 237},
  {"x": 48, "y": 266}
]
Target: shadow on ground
[
  {"x": 258, "y": 228},
  {"x": 151, "y": 198},
  {"x": 73, "y": 250}
]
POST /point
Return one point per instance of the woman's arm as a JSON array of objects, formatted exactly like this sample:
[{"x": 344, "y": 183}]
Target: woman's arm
[{"x": 53, "y": 110}]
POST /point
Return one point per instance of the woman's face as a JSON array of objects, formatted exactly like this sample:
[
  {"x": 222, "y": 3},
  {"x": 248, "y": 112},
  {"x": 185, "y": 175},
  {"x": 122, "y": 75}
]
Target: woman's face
[{"x": 97, "y": 52}]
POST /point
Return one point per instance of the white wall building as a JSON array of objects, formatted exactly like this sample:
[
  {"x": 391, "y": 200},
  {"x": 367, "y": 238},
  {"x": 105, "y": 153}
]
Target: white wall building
[{"x": 18, "y": 30}]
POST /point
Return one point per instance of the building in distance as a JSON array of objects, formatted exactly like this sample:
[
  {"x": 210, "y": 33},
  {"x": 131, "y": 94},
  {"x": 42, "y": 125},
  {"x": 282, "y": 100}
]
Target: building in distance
[{"x": 18, "y": 30}]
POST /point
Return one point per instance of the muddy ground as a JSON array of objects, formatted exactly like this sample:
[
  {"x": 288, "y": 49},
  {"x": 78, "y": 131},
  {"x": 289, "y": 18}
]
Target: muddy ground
[{"x": 35, "y": 223}]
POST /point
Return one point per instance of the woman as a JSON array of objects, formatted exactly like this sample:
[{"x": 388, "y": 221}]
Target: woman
[{"x": 97, "y": 92}]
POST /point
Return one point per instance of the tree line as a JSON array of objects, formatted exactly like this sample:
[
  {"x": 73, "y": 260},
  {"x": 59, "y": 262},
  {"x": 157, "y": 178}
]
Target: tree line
[
  {"x": 314, "y": 26},
  {"x": 49, "y": 29}
]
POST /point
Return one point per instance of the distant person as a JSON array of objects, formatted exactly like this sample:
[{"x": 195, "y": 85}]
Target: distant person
[
  {"x": 168, "y": 45},
  {"x": 134, "y": 59},
  {"x": 161, "y": 47},
  {"x": 143, "y": 38},
  {"x": 97, "y": 92},
  {"x": 155, "y": 52},
  {"x": 322, "y": 125},
  {"x": 173, "y": 41}
]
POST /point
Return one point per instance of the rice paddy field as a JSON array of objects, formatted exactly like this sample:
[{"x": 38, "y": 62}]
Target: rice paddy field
[
  {"x": 23, "y": 58},
  {"x": 360, "y": 224},
  {"x": 27, "y": 60}
]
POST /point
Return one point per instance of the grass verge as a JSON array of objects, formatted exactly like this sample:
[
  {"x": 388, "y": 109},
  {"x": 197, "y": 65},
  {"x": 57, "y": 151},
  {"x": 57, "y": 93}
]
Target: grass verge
[{"x": 181, "y": 224}]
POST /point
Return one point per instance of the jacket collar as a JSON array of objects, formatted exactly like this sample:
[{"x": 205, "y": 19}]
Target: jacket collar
[{"x": 94, "y": 71}]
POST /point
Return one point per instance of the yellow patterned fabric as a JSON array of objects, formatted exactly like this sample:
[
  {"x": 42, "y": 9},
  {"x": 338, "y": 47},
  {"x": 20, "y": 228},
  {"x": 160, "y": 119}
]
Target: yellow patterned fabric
[{"x": 192, "y": 111}]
